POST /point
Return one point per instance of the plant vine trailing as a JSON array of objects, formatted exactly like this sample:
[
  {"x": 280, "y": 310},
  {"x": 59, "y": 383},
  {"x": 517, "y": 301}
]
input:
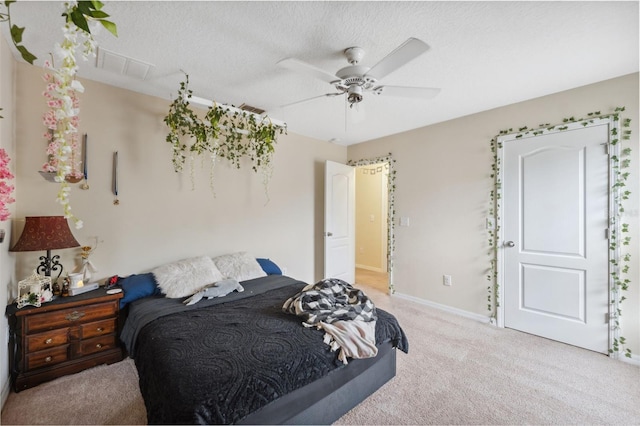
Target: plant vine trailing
[
  {"x": 219, "y": 134},
  {"x": 619, "y": 262},
  {"x": 391, "y": 185}
]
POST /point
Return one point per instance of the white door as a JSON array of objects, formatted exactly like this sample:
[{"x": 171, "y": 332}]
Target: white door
[
  {"x": 555, "y": 248},
  {"x": 339, "y": 222}
]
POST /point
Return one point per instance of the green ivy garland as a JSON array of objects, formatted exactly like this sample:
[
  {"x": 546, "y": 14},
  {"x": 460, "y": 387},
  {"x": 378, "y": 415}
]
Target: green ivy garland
[
  {"x": 391, "y": 186},
  {"x": 219, "y": 134},
  {"x": 619, "y": 262}
]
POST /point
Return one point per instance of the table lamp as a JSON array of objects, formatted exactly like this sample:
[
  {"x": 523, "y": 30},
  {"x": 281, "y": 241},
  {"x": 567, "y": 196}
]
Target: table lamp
[{"x": 46, "y": 233}]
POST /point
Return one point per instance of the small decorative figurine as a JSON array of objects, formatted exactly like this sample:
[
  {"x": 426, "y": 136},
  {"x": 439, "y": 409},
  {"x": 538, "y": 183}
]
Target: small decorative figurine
[
  {"x": 87, "y": 268},
  {"x": 65, "y": 287}
]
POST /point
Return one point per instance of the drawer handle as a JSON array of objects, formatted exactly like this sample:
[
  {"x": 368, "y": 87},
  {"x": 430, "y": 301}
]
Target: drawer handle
[
  {"x": 100, "y": 329},
  {"x": 48, "y": 341},
  {"x": 99, "y": 345},
  {"x": 74, "y": 316},
  {"x": 48, "y": 359}
]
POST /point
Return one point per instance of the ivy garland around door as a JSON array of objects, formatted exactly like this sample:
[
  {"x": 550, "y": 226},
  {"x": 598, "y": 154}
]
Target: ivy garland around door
[
  {"x": 619, "y": 163},
  {"x": 221, "y": 133},
  {"x": 391, "y": 186}
]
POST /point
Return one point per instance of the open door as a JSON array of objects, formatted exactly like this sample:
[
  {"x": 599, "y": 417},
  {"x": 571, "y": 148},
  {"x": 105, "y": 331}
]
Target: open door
[{"x": 339, "y": 222}]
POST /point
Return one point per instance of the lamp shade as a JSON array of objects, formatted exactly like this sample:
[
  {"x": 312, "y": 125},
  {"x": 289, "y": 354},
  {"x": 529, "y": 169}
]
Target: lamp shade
[{"x": 45, "y": 233}]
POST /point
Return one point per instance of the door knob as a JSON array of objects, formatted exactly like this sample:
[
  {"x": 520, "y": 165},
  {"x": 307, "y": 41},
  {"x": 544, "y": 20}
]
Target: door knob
[
  {"x": 329, "y": 234},
  {"x": 510, "y": 244}
]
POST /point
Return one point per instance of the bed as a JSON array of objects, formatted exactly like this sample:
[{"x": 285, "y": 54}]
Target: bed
[{"x": 239, "y": 359}]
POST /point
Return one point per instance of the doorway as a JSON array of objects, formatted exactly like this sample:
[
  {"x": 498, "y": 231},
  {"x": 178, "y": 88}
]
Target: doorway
[
  {"x": 372, "y": 210},
  {"x": 375, "y": 185}
]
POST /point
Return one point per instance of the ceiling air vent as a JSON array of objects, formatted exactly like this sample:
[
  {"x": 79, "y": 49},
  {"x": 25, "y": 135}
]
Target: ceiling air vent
[
  {"x": 252, "y": 109},
  {"x": 121, "y": 64}
]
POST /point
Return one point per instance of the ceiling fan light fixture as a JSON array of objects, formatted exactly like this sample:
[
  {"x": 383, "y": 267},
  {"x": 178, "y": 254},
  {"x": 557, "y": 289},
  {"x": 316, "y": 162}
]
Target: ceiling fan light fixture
[{"x": 354, "y": 95}]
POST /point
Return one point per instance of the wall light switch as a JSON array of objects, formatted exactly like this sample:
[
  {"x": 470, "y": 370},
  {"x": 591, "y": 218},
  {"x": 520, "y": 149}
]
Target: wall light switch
[{"x": 404, "y": 221}]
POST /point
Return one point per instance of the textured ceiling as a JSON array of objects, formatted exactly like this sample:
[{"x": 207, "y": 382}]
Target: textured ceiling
[{"x": 483, "y": 54}]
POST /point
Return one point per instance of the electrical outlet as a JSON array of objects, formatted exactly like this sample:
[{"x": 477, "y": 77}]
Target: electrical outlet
[{"x": 446, "y": 280}]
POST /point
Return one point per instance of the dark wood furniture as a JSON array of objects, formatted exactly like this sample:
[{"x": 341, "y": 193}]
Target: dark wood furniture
[{"x": 64, "y": 336}]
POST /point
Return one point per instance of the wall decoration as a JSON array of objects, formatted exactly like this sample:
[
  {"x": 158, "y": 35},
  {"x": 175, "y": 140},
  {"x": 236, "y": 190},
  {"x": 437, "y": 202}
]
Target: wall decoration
[
  {"x": 391, "y": 185},
  {"x": 619, "y": 159},
  {"x": 5, "y": 188},
  {"x": 223, "y": 133},
  {"x": 62, "y": 88},
  {"x": 115, "y": 179},
  {"x": 85, "y": 166}
]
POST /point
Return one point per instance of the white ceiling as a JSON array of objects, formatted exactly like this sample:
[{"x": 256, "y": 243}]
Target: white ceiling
[{"x": 483, "y": 54}]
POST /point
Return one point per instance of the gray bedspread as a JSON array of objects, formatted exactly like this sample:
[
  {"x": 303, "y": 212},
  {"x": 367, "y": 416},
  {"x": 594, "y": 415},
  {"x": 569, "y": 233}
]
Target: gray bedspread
[{"x": 220, "y": 360}]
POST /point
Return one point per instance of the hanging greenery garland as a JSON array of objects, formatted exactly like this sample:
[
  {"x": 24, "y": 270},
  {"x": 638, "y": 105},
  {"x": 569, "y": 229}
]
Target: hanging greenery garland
[
  {"x": 619, "y": 261},
  {"x": 219, "y": 134},
  {"x": 391, "y": 186}
]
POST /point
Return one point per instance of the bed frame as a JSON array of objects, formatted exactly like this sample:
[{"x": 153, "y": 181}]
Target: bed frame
[{"x": 326, "y": 400}]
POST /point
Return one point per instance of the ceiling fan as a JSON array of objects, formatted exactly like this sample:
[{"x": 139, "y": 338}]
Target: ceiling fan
[{"x": 356, "y": 80}]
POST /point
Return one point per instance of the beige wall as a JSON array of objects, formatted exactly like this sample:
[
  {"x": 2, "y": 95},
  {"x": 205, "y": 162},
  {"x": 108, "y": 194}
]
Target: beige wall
[
  {"x": 160, "y": 218},
  {"x": 7, "y": 262},
  {"x": 443, "y": 186},
  {"x": 371, "y": 221}
]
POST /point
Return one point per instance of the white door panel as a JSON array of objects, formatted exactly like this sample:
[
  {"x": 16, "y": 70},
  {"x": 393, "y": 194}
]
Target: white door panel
[
  {"x": 556, "y": 208},
  {"x": 553, "y": 201},
  {"x": 339, "y": 222}
]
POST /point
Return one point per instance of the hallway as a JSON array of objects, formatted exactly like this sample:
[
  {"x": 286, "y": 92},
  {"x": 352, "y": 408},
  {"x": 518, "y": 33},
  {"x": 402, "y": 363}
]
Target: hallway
[{"x": 379, "y": 280}]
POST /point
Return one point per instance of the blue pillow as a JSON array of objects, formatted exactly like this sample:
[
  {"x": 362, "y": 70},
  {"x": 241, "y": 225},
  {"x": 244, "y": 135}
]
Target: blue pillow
[
  {"x": 269, "y": 267},
  {"x": 138, "y": 286}
]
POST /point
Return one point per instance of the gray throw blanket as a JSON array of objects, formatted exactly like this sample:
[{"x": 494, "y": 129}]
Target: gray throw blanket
[{"x": 330, "y": 300}]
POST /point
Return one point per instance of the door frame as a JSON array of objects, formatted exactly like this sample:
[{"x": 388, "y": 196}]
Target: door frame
[
  {"x": 391, "y": 188},
  {"x": 613, "y": 151}
]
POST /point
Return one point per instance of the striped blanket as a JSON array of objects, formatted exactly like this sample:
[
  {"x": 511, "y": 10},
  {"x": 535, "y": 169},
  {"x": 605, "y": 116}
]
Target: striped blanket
[{"x": 345, "y": 313}]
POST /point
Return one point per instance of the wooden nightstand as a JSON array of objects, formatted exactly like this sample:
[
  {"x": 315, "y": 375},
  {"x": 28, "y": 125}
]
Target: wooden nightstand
[{"x": 64, "y": 336}]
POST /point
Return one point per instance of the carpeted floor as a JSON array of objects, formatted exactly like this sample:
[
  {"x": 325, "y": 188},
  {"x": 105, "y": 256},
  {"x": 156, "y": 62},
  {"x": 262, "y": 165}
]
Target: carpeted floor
[{"x": 458, "y": 371}]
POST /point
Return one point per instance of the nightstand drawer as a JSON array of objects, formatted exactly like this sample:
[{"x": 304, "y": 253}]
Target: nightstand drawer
[
  {"x": 47, "y": 357},
  {"x": 98, "y": 328},
  {"x": 50, "y": 339},
  {"x": 64, "y": 336},
  {"x": 66, "y": 317},
  {"x": 97, "y": 344}
]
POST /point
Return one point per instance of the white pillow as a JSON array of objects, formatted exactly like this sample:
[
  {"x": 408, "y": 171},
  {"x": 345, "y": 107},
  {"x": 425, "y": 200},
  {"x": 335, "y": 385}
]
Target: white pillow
[
  {"x": 239, "y": 266},
  {"x": 186, "y": 277}
]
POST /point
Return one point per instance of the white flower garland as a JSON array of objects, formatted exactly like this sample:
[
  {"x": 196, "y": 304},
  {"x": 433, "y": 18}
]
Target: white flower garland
[{"x": 63, "y": 117}]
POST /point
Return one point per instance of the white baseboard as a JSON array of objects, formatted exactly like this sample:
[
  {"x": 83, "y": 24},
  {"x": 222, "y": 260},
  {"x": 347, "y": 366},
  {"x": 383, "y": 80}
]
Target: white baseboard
[
  {"x": 634, "y": 360},
  {"x": 463, "y": 313}
]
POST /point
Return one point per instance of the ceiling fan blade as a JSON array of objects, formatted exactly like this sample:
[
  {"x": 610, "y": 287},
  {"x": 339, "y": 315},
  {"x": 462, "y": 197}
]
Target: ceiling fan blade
[
  {"x": 406, "y": 52},
  {"x": 326, "y": 95},
  {"x": 306, "y": 68},
  {"x": 407, "y": 92}
]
